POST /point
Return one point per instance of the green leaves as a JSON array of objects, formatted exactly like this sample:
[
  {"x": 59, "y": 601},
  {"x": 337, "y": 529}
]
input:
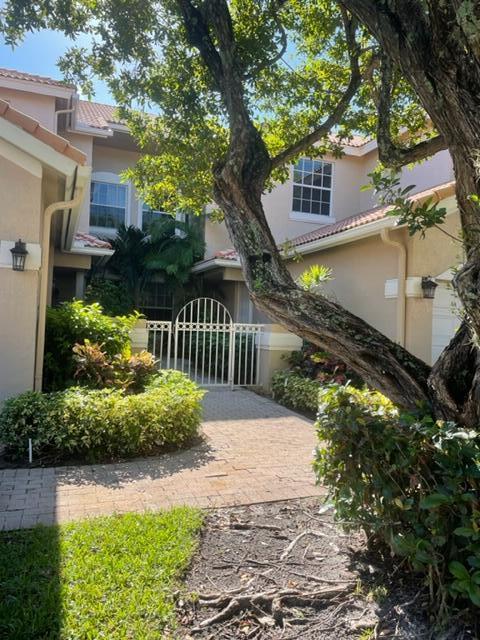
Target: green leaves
[
  {"x": 74, "y": 322},
  {"x": 387, "y": 474},
  {"x": 434, "y": 501},
  {"x": 418, "y": 216},
  {"x": 458, "y": 570},
  {"x": 315, "y": 277}
]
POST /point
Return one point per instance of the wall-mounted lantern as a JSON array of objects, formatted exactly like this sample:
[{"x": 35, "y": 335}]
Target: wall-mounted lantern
[
  {"x": 428, "y": 287},
  {"x": 19, "y": 254}
]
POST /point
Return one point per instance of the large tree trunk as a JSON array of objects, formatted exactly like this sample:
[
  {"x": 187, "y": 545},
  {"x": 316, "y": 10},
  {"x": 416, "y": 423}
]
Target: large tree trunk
[
  {"x": 441, "y": 61},
  {"x": 443, "y": 65},
  {"x": 382, "y": 363}
]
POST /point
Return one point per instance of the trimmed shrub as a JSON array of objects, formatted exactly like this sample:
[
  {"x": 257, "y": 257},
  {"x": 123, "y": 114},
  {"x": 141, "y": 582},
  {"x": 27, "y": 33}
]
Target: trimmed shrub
[
  {"x": 72, "y": 323},
  {"x": 409, "y": 481},
  {"x": 103, "y": 424},
  {"x": 293, "y": 390}
]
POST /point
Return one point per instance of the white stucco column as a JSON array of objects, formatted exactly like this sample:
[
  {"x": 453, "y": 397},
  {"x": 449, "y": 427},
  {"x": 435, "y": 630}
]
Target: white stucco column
[
  {"x": 79, "y": 284},
  {"x": 139, "y": 336},
  {"x": 276, "y": 344}
]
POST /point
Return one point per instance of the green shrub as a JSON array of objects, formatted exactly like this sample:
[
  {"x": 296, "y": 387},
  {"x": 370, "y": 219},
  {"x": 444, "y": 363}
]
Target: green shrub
[
  {"x": 409, "y": 481},
  {"x": 96, "y": 370},
  {"x": 293, "y": 390},
  {"x": 103, "y": 424},
  {"x": 112, "y": 295},
  {"x": 311, "y": 362},
  {"x": 72, "y": 323}
]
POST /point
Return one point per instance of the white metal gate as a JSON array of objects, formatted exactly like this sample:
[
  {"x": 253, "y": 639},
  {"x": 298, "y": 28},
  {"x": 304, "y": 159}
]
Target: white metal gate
[{"x": 207, "y": 345}]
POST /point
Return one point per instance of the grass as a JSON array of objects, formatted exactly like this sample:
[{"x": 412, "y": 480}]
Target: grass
[{"x": 106, "y": 578}]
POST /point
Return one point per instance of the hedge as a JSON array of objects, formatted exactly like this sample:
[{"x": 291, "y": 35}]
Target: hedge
[
  {"x": 296, "y": 391},
  {"x": 102, "y": 424},
  {"x": 408, "y": 480}
]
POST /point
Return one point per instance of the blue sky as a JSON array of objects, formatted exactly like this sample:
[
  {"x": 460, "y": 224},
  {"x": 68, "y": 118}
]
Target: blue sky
[{"x": 39, "y": 53}]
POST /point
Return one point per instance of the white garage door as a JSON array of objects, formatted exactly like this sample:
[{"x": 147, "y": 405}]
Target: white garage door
[{"x": 445, "y": 319}]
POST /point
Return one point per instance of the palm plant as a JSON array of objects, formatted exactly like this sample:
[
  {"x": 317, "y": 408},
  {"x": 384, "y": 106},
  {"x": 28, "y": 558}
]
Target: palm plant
[
  {"x": 131, "y": 247},
  {"x": 174, "y": 247},
  {"x": 170, "y": 247}
]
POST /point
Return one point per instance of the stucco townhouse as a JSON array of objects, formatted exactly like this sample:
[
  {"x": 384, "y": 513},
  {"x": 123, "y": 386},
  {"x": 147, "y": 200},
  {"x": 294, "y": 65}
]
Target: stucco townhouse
[{"x": 62, "y": 195}]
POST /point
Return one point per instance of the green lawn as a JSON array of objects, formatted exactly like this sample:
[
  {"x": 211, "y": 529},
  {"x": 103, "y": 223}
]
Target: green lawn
[{"x": 105, "y": 578}]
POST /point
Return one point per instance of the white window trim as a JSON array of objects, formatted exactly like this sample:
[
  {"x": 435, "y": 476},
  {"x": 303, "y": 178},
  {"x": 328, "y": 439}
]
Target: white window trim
[
  {"x": 179, "y": 217},
  {"x": 112, "y": 178},
  {"x": 314, "y": 218}
]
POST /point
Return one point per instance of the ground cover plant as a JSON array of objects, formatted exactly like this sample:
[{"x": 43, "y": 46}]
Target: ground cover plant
[
  {"x": 410, "y": 482},
  {"x": 295, "y": 391},
  {"x": 103, "y": 424},
  {"x": 110, "y": 577}
]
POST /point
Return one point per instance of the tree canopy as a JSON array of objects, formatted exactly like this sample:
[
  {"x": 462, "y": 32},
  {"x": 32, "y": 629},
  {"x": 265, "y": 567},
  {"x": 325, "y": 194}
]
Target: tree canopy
[
  {"x": 307, "y": 69},
  {"x": 223, "y": 95}
]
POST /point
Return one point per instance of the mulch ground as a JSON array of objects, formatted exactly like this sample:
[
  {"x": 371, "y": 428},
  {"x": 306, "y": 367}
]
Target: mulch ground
[{"x": 284, "y": 570}]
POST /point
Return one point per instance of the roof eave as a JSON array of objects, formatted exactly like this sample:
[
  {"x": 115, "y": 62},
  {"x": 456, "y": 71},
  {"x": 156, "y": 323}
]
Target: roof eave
[
  {"x": 31, "y": 86},
  {"x": 86, "y": 130},
  {"x": 214, "y": 263}
]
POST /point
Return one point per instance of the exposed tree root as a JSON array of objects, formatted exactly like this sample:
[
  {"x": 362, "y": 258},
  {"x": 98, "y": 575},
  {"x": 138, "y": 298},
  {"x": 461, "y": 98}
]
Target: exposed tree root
[{"x": 273, "y": 602}]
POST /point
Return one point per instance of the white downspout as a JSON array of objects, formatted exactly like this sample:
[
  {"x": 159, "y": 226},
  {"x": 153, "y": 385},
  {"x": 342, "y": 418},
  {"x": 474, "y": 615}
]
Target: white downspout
[
  {"x": 59, "y": 113},
  {"x": 401, "y": 279},
  {"x": 44, "y": 268}
]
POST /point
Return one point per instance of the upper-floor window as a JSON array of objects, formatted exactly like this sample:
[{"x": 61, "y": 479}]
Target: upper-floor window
[
  {"x": 312, "y": 187},
  {"x": 108, "y": 204},
  {"x": 150, "y": 215}
]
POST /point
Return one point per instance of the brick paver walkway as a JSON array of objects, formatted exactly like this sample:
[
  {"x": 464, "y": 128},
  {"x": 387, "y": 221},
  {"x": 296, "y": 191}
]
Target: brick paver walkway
[{"x": 253, "y": 450}]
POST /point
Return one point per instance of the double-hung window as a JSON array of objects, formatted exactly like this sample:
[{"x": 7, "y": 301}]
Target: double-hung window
[
  {"x": 150, "y": 215},
  {"x": 108, "y": 204},
  {"x": 312, "y": 187}
]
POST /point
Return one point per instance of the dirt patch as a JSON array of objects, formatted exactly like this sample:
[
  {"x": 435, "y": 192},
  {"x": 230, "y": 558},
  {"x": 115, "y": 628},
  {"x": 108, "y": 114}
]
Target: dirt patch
[{"x": 284, "y": 570}]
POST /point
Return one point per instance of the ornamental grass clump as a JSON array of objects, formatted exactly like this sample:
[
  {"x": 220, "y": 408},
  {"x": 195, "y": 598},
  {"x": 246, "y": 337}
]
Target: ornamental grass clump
[
  {"x": 409, "y": 481},
  {"x": 102, "y": 424}
]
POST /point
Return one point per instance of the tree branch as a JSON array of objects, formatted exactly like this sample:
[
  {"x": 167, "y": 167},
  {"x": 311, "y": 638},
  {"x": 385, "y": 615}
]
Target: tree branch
[
  {"x": 283, "y": 45},
  {"x": 350, "y": 26},
  {"x": 199, "y": 37},
  {"x": 389, "y": 153}
]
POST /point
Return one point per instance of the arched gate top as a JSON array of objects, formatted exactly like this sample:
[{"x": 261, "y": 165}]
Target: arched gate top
[{"x": 204, "y": 310}]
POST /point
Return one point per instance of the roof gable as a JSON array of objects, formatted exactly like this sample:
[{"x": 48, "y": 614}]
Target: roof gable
[{"x": 35, "y": 129}]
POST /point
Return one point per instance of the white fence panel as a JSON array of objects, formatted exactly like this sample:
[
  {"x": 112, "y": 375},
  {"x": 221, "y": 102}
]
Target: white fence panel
[
  {"x": 160, "y": 341},
  {"x": 207, "y": 345}
]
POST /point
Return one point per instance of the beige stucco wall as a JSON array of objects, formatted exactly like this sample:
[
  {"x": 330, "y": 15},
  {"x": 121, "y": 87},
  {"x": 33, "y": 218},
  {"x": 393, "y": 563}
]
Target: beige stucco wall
[
  {"x": 429, "y": 256},
  {"x": 434, "y": 171},
  {"x": 20, "y": 202},
  {"x": 20, "y": 211},
  {"x": 38, "y": 106},
  {"x": 359, "y": 273}
]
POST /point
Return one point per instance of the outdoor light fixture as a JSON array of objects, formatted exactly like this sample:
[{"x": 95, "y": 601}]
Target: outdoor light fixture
[
  {"x": 19, "y": 254},
  {"x": 428, "y": 287}
]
